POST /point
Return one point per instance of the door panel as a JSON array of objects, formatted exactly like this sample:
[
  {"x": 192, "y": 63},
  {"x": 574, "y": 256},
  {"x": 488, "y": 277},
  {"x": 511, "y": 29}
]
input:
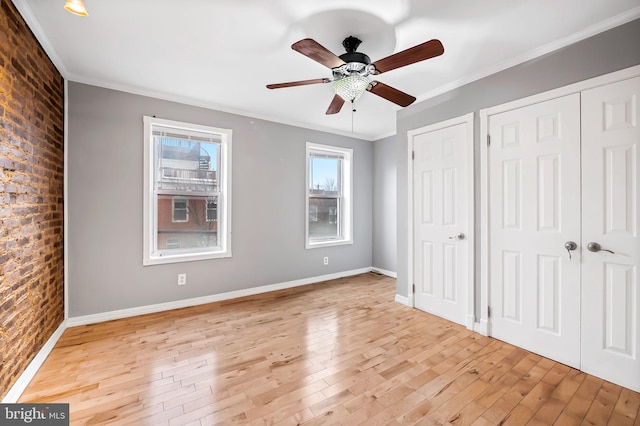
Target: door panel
[
  {"x": 441, "y": 204},
  {"x": 611, "y": 181},
  {"x": 534, "y": 198},
  {"x": 549, "y": 293}
]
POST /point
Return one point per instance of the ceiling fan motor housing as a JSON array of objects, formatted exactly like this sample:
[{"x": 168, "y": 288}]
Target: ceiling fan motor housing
[{"x": 356, "y": 64}]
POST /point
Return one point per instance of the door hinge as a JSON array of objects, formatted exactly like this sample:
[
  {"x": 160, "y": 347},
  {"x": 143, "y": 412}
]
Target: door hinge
[
  {"x": 413, "y": 155},
  {"x": 413, "y": 288},
  {"x": 488, "y": 140},
  {"x": 489, "y": 311}
]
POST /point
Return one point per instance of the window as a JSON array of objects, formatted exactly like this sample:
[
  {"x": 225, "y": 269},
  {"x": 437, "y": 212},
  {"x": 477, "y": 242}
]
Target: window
[
  {"x": 328, "y": 200},
  {"x": 187, "y": 205},
  {"x": 180, "y": 211},
  {"x": 212, "y": 210}
]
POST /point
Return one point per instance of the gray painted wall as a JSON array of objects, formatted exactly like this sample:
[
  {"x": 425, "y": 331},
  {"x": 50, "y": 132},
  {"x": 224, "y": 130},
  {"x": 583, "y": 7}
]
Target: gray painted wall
[
  {"x": 105, "y": 149},
  {"x": 384, "y": 204},
  {"x": 607, "y": 52}
]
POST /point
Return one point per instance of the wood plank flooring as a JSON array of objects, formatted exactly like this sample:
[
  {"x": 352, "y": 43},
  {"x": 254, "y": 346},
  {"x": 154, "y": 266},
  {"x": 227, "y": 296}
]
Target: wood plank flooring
[{"x": 341, "y": 352}]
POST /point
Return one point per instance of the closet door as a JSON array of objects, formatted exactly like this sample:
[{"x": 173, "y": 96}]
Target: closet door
[
  {"x": 442, "y": 202},
  {"x": 534, "y": 199},
  {"x": 611, "y": 220}
]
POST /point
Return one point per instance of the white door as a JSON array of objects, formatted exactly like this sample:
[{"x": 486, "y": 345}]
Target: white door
[
  {"x": 534, "y": 199},
  {"x": 610, "y": 218},
  {"x": 442, "y": 200}
]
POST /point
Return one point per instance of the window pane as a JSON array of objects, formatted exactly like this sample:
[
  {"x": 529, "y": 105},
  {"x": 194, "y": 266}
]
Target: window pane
[
  {"x": 313, "y": 212},
  {"x": 173, "y": 243},
  {"x": 325, "y": 224},
  {"x": 186, "y": 165},
  {"x": 194, "y": 232},
  {"x": 328, "y": 195},
  {"x": 324, "y": 176}
]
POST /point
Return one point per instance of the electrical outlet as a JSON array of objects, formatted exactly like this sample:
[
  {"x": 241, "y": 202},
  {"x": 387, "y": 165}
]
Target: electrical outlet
[
  {"x": 182, "y": 279},
  {"x": 326, "y": 260}
]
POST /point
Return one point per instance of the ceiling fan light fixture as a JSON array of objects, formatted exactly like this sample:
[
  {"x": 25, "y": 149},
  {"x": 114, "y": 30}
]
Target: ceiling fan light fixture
[
  {"x": 351, "y": 87},
  {"x": 76, "y": 7}
]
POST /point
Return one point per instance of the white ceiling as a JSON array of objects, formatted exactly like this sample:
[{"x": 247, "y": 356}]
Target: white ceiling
[{"x": 221, "y": 54}]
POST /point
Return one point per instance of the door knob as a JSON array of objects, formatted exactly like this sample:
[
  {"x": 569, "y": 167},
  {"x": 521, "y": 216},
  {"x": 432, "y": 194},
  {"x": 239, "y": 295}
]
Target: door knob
[
  {"x": 595, "y": 247},
  {"x": 570, "y": 246},
  {"x": 459, "y": 236}
]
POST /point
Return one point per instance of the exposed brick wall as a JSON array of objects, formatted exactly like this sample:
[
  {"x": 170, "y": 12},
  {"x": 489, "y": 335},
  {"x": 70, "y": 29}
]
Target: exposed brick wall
[{"x": 31, "y": 198}]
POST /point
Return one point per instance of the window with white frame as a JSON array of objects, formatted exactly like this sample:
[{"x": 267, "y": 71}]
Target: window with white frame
[
  {"x": 187, "y": 182},
  {"x": 180, "y": 210},
  {"x": 328, "y": 195}
]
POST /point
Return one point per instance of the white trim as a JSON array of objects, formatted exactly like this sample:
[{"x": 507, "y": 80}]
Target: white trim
[
  {"x": 468, "y": 120},
  {"x": 385, "y": 272},
  {"x": 484, "y": 223},
  {"x": 36, "y": 28},
  {"x": 218, "y": 107},
  {"x": 65, "y": 201},
  {"x": 34, "y": 25},
  {"x": 345, "y": 220},
  {"x": 481, "y": 327},
  {"x": 471, "y": 223},
  {"x": 471, "y": 321},
  {"x": 150, "y": 206},
  {"x": 591, "y": 31},
  {"x": 410, "y": 283},
  {"x": 185, "y": 303},
  {"x": 403, "y": 300},
  {"x": 29, "y": 373},
  {"x": 627, "y": 73},
  {"x": 580, "y": 86}
]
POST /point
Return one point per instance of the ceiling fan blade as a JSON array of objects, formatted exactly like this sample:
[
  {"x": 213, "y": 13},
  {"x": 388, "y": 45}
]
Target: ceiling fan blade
[
  {"x": 426, "y": 50},
  {"x": 389, "y": 93},
  {"x": 314, "y": 50},
  {"x": 298, "y": 83},
  {"x": 336, "y": 105}
]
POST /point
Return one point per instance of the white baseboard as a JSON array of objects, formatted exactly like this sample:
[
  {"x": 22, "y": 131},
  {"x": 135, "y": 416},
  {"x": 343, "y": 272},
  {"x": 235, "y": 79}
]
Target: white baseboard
[
  {"x": 185, "y": 303},
  {"x": 471, "y": 322},
  {"x": 481, "y": 327},
  {"x": 385, "y": 272},
  {"x": 402, "y": 299},
  {"x": 27, "y": 375}
]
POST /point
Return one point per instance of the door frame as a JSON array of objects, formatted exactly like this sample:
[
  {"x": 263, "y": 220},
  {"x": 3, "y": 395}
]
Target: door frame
[
  {"x": 466, "y": 119},
  {"x": 485, "y": 324}
]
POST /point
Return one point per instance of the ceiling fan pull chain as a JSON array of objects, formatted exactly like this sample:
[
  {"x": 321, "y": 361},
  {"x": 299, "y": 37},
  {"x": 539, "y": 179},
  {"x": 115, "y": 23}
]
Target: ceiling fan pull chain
[{"x": 353, "y": 109}]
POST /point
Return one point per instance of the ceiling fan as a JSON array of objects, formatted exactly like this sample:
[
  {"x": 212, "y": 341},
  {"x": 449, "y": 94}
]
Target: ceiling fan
[{"x": 352, "y": 69}]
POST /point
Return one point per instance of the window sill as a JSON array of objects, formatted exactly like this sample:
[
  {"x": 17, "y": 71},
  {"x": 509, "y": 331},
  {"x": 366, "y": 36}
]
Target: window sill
[
  {"x": 161, "y": 260},
  {"x": 326, "y": 243}
]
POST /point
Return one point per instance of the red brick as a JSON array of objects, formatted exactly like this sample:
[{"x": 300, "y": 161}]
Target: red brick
[{"x": 31, "y": 196}]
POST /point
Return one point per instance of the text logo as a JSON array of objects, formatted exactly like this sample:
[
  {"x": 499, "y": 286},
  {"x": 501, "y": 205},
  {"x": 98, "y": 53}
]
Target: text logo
[{"x": 34, "y": 414}]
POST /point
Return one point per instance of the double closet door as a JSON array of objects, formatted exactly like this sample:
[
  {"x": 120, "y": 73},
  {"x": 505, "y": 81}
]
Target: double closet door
[{"x": 563, "y": 229}]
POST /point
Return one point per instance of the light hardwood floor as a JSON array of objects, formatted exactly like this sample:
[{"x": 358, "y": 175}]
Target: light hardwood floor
[{"x": 340, "y": 352}]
